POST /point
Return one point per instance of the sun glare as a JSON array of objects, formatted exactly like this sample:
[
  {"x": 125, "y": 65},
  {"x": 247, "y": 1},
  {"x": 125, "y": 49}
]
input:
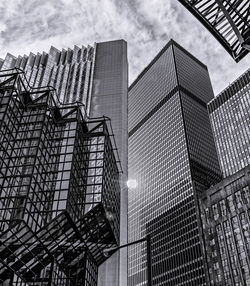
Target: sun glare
[{"x": 132, "y": 184}]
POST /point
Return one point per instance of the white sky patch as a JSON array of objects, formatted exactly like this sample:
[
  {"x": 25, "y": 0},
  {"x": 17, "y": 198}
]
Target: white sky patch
[{"x": 33, "y": 26}]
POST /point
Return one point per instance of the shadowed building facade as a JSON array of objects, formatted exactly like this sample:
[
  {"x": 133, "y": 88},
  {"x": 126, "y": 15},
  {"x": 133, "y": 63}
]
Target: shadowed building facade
[
  {"x": 97, "y": 78},
  {"x": 172, "y": 155}
]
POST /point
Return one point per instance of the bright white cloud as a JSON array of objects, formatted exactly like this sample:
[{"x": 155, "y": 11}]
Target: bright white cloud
[{"x": 28, "y": 25}]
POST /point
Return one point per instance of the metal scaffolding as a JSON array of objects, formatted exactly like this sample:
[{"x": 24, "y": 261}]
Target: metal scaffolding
[{"x": 227, "y": 20}]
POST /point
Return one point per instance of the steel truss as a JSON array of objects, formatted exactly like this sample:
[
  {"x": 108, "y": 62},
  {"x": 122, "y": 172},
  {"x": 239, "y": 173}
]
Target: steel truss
[
  {"x": 227, "y": 20},
  {"x": 59, "y": 188}
]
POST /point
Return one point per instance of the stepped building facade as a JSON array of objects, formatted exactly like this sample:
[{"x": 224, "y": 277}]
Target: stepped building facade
[{"x": 63, "y": 174}]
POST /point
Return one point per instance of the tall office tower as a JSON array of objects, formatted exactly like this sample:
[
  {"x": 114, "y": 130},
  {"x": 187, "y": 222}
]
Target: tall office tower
[
  {"x": 96, "y": 77},
  {"x": 225, "y": 211},
  {"x": 229, "y": 114},
  {"x": 60, "y": 191},
  {"x": 109, "y": 97},
  {"x": 172, "y": 155}
]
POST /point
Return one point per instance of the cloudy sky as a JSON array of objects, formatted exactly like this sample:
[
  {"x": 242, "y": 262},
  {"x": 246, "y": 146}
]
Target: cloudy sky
[{"x": 147, "y": 25}]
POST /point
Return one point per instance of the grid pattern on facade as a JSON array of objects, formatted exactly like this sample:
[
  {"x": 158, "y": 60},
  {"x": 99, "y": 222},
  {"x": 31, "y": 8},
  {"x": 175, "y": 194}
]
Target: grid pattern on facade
[
  {"x": 226, "y": 219},
  {"x": 168, "y": 181},
  {"x": 54, "y": 164},
  {"x": 177, "y": 254},
  {"x": 228, "y": 21},
  {"x": 156, "y": 82},
  {"x": 166, "y": 151},
  {"x": 198, "y": 84},
  {"x": 203, "y": 157},
  {"x": 196, "y": 91},
  {"x": 109, "y": 97},
  {"x": 229, "y": 114}
]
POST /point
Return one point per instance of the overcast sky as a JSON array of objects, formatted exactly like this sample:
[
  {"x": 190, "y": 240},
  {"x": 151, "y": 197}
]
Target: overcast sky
[{"x": 147, "y": 25}]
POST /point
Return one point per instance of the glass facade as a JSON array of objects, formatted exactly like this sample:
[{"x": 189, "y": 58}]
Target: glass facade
[
  {"x": 225, "y": 210},
  {"x": 170, "y": 159},
  {"x": 96, "y": 77},
  {"x": 60, "y": 190},
  {"x": 109, "y": 97},
  {"x": 229, "y": 114}
]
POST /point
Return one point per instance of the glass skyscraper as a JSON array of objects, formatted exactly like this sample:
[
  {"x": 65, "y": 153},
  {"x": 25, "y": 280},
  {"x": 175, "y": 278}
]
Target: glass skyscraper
[
  {"x": 229, "y": 113},
  {"x": 172, "y": 156},
  {"x": 109, "y": 97},
  {"x": 95, "y": 77}
]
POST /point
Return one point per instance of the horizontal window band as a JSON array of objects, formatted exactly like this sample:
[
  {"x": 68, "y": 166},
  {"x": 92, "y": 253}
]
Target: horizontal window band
[
  {"x": 154, "y": 110},
  {"x": 162, "y": 102},
  {"x": 194, "y": 97}
]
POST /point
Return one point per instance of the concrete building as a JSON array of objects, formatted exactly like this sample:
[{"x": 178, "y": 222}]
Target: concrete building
[{"x": 225, "y": 210}]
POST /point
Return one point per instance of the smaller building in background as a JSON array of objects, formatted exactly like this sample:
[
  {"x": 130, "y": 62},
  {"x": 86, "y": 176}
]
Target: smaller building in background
[
  {"x": 229, "y": 113},
  {"x": 225, "y": 212}
]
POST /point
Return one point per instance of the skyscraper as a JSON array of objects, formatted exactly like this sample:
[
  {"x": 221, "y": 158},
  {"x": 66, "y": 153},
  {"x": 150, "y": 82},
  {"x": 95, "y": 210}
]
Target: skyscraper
[
  {"x": 97, "y": 78},
  {"x": 229, "y": 113},
  {"x": 110, "y": 98},
  {"x": 171, "y": 156}
]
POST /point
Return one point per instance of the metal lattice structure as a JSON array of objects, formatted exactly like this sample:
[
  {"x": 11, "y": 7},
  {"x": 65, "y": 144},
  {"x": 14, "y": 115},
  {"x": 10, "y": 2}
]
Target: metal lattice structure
[
  {"x": 227, "y": 20},
  {"x": 59, "y": 188}
]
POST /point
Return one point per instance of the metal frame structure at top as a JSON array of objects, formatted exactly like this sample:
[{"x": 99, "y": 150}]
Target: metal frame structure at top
[{"x": 227, "y": 20}]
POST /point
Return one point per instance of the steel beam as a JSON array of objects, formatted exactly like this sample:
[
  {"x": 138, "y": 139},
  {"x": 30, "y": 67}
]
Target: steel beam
[{"x": 227, "y": 20}]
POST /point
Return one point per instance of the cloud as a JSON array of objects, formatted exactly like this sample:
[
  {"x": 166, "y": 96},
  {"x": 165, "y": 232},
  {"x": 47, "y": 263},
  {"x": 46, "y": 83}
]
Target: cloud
[{"x": 28, "y": 25}]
